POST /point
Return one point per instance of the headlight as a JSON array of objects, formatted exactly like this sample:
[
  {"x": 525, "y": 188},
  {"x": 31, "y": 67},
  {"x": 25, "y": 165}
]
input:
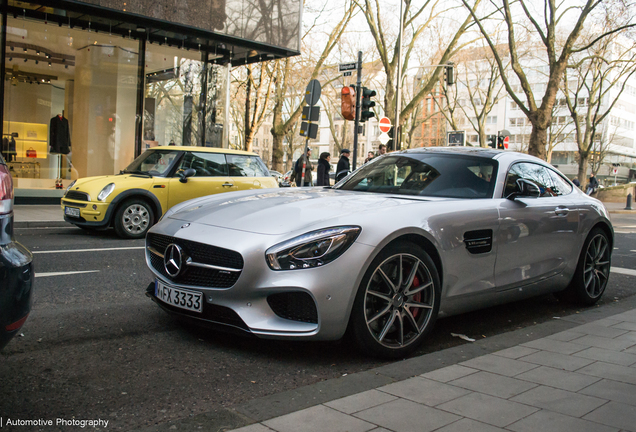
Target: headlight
[
  {"x": 313, "y": 249},
  {"x": 108, "y": 189},
  {"x": 70, "y": 186}
]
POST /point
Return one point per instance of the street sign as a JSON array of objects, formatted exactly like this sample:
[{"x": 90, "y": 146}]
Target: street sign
[
  {"x": 310, "y": 128},
  {"x": 456, "y": 138},
  {"x": 385, "y": 125},
  {"x": 384, "y": 138},
  {"x": 615, "y": 171},
  {"x": 347, "y": 67},
  {"x": 315, "y": 113},
  {"x": 312, "y": 93},
  {"x": 347, "y": 73}
]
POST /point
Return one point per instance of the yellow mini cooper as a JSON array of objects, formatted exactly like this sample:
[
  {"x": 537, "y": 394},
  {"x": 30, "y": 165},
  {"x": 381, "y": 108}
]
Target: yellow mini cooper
[{"x": 158, "y": 179}]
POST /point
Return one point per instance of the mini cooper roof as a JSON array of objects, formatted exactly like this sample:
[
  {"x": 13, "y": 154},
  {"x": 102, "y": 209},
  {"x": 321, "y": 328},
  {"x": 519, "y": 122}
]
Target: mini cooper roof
[{"x": 204, "y": 149}]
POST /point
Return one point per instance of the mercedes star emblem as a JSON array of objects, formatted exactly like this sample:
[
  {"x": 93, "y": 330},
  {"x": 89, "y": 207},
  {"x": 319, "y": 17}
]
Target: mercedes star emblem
[
  {"x": 185, "y": 226},
  {"x": 173, "y": 259}
]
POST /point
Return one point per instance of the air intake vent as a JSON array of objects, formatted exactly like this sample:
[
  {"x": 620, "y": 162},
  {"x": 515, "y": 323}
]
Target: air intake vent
[
  {"x": 295, "y": 306},
  {"x": 478, "y": 242}
]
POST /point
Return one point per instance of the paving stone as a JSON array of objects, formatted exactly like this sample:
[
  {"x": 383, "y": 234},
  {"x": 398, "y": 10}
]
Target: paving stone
[
  {"x": 406, "y": 416},
  {"x": 488, "y": 409},
  {"x": 601, "y": 342},
  {"x": 615, "y": 414},
  {"x": 557, "y": 361},
  {"x": 499, "y": 365},
  {"x": 493, "y": 384},
  {"x": 565, "y": 336},
  {"x": 571, "y": 381},
  {"x": 257, "y": 427},
  {"x": 551, "y": 345},
  {"x": 468, "y": 425},
  {"x": 425, "y": 391},
  {"x": 631, "y": 350},
  {"x": 548, "y": 421},
  {"x": 516, "y": 352},
  {"x": 318, "y": 419},
  {"x": 608, "y": 356},
  {"x": 629, "y": 316},
  {"x": 607, "y": 322},
  {"x": 627, "y": 337},
  {"x": 561, "y": 401},
  {"x": 599, "y": 330},
  {"x": 360, "y": 401},
  {"x": 612, "y": 390},
  {"x": 379, "y": 430},
  {"x": 449, "y": 373},
  {"x": 625, "y": 326},
  {"x": 610, "y": 371}
]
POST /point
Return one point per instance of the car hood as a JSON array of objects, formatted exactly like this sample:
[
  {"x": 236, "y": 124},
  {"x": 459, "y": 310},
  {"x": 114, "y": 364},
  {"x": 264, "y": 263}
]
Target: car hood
[
  {"x": 93, "y": 185},
  {"x": 277, "y": 212}
]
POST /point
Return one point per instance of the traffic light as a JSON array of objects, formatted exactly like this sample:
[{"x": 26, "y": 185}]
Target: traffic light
[
  {"x": 348, "y": 100},
  {"x": 367, "y": 104},
  {"x": 390, "y": 143},
  {"x": 449, "y": 74},
  {"x": 503, "y": 139},
  {"x": 492, "y": 141}
]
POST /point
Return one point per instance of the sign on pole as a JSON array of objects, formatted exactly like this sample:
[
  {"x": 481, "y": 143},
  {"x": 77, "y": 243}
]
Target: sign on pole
[
  {"x": 342, "y": 67},
  {"x": 385, "y": 125},
  {"x": 312, "y": 93},
  {"x": 384, "y": 138}
]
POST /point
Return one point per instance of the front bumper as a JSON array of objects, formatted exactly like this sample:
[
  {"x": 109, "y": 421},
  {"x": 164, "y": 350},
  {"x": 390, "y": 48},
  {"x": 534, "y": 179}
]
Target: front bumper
[
  {"x": 16, "y": 289},
  {"x": 332, "y": 288},
  {"x": 92, "y": 214}
]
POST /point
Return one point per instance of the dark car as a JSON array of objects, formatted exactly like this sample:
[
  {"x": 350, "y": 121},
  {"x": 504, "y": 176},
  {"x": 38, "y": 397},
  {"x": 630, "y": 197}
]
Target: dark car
[{"x": 16, "y": 267}]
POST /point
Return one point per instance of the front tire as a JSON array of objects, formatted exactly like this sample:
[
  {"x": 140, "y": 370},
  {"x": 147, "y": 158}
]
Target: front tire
[
  {"x": 592, "y": 270},
  {"x": 133, "y": 218},
  {"x": 397, "y": 302}
]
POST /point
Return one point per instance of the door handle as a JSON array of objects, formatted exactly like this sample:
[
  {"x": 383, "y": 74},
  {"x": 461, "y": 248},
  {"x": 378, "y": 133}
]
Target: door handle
[
  {"x": 228, "y": 184},
  {"x": 561, "y": 211}
]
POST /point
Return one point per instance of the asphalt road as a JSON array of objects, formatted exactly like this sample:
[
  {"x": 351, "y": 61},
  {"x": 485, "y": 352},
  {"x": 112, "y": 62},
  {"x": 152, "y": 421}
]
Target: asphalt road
[{"x": 95, "y": 347}]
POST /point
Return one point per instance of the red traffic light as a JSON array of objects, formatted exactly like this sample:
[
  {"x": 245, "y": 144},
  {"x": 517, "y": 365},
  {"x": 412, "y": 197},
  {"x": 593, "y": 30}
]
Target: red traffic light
[{"x": 348, "y": 100}]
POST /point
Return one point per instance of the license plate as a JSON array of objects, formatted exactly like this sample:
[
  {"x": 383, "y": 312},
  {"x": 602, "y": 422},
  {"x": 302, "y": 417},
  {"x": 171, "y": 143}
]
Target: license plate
[
  {"x": 189, "y": 300},
  {"x": 72, "y": 211}
]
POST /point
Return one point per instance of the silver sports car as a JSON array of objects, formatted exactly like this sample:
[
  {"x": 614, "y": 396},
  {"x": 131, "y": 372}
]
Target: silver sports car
[{"x": 407, "y": 237}]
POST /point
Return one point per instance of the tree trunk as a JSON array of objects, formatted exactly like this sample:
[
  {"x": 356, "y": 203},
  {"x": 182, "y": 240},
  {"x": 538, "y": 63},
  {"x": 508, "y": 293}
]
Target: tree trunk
[
  {"x": 582, "y": 176},
  {"x": 538, "y": 140}
]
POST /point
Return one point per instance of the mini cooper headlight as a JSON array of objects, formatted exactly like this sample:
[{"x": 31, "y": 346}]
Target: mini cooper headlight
[
  {"x": 313, "y": 249},
  {"x": 108, "y": 189},
  {"x": 70, "y": 186}
]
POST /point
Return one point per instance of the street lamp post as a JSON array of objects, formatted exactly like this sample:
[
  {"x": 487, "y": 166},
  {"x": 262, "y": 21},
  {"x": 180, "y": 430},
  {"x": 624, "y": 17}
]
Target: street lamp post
[{"x": 397, "y": 135}]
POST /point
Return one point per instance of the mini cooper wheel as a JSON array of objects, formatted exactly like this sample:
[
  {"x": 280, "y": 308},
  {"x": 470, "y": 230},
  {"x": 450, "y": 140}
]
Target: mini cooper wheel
[
  {"x": 397, "y": 302},
  {"x": 592, "y": 271},
  {"x": 133, "y": 219}
]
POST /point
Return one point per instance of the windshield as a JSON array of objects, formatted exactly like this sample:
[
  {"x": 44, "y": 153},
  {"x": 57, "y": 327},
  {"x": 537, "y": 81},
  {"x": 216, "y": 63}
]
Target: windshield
[
  {"x": 435, "y": 175},
  {"x": 153, "y": 162}
]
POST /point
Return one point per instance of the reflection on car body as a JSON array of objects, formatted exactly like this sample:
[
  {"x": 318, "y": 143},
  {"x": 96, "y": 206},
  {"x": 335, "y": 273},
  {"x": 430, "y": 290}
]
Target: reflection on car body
[{"x": 403, "y": 239}]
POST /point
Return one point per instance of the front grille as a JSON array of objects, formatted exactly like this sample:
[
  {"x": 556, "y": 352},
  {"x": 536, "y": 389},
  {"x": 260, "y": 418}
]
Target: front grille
[
  {"x": 77, "y": 196},
  {"x": 295, "y": 306},
  {"x": 200, "y": 253}
]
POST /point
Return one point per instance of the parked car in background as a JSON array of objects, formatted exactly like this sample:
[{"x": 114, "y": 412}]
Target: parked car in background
[
  {"x": 409, "y": 236},
  {"x": 136, "y": 198},
  {"x": 16, "y": 267}
]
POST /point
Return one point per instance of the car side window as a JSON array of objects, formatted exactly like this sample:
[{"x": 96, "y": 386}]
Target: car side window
[
  {"x": 535, "y": 173},
  {"x": 246, "y": 166},
  {"x": 559, "y": 185},
  {"x": 205, "y": 164}
]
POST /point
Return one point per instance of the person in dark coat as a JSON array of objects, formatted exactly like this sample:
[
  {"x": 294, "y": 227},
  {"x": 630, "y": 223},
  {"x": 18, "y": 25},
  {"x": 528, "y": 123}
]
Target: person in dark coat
[
  {"x": 323, "y": 169},
  {"x": 299, "y": 168},
  {"x": 592, "y": 185},
  {"x": 576, "y": 182},
  {"x": 344, "y": 167}
]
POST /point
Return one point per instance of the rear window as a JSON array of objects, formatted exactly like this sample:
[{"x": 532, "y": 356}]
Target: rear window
[
  {"x": 246, "y": 166},
  {"x": 436, "y": 175}
]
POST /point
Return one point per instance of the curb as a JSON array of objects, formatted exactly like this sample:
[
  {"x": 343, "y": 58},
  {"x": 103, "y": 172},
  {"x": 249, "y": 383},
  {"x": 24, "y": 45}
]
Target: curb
[
  {"x": 622, "y": 211},
  {"x": 42, "y": 224}
]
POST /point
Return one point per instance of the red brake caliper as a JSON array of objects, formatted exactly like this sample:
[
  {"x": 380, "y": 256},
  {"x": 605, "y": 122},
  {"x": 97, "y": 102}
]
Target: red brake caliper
[{"x": 417, "y": 297}]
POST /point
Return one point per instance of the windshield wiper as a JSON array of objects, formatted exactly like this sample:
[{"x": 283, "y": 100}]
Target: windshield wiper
[{"x": 135, "y": 172}]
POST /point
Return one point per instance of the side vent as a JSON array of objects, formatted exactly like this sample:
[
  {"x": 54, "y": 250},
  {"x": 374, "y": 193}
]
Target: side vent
[{"x": 478, "y": 242}]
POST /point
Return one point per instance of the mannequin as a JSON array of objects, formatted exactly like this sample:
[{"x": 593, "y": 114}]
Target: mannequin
[{"x": 60, "y": 135}]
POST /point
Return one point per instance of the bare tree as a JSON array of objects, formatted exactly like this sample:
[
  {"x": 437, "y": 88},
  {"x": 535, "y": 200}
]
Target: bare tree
[{"x": 544, "y": 22}]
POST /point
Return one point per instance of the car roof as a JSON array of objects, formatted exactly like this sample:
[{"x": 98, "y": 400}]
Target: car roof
[
  {"x": 204, "y": 150},
  {"x": 485, "y": 152}
]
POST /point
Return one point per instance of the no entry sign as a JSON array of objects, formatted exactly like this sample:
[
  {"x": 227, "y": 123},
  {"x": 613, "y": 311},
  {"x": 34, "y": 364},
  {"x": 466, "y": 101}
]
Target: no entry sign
[{"x": 385, "y": 124}]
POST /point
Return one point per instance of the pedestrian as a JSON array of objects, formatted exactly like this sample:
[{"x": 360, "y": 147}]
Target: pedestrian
[
  {"x": 298, "y": 176},
  {"x": 370, "y": 155},
  {"x": 576, "y": 182},
  {"x": 323, "y": 169},
  {"x": 381, "y": 150},
  {"x": 344, "y": 167},
  {"x": 592, "y": 185}
]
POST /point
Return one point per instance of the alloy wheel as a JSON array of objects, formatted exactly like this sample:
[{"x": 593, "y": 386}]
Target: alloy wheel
[
  {"x": 597, "y": 266},
  {"x": 399, "y": 301},
  {"x": 136, "y": 219}
]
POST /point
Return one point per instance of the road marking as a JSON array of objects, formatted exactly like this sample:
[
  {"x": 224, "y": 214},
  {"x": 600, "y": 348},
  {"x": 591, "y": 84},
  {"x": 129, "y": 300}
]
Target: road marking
[
  {"x": 64, "y": 273},
  {"x": 89, "y": 250},
  {"x": 624, "y": 271}
]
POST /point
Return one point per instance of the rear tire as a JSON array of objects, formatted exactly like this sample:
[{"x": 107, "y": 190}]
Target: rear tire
[
  {"x": 133, "y": 218},
  {"x": 397, "y": 302},
  {"x": 592, "y": 270}
]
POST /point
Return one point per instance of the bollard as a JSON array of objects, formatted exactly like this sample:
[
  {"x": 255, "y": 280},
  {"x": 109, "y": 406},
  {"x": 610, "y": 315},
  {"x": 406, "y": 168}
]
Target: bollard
[{"x": 629, "y": 202}]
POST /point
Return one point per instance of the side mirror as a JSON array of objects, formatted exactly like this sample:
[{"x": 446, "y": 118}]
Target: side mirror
[
  {"x": 185, "y": 174},
  {"x": 525, "y": 189}
]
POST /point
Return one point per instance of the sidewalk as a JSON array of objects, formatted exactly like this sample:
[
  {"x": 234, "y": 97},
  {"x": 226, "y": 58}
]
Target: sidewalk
[{"x": 580, "y": 379}]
